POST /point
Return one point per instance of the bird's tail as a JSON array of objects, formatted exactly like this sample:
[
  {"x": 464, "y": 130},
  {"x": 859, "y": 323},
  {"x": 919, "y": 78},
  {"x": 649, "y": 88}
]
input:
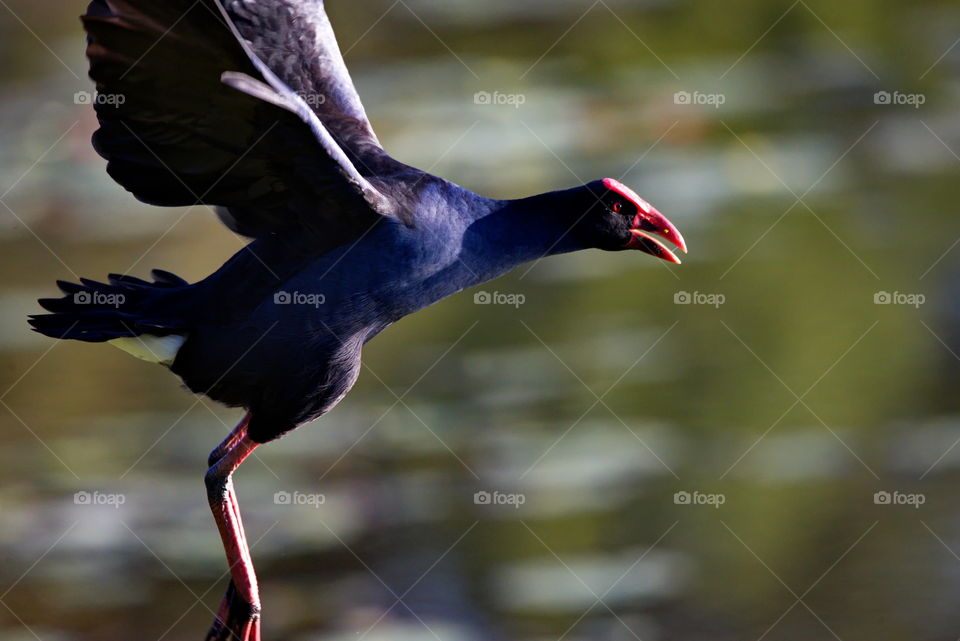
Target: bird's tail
[{"x": 130, "y": 311}]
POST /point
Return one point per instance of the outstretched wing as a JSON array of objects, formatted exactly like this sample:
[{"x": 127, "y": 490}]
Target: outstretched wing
[
  {"x": 188, "y": 114},
  {"x": 295, "y": 40}
]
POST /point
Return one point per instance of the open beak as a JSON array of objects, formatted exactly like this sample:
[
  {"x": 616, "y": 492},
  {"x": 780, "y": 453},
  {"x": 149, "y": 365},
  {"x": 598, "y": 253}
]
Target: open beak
[{"x": 647, "y": 224}]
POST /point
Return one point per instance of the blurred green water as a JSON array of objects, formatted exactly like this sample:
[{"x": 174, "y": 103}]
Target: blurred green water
[{"x": 597, "y": 400}]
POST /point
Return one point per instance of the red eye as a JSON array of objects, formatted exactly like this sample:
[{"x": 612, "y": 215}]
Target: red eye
[{"x": 617, "y": 206}]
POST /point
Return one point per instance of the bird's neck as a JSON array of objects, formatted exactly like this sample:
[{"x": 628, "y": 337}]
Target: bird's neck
[
  {"x": 515, "y": 232},
  {"x": 497, "y": 236}
]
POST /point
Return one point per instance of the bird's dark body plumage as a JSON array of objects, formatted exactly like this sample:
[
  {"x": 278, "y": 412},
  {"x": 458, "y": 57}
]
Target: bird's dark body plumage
[
  {"x": 291, "y": 349},
  {"x": 247, "y": 106}
]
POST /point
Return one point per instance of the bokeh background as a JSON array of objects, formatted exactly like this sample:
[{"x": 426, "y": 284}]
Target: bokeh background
[{"x": 815, "y": 366}]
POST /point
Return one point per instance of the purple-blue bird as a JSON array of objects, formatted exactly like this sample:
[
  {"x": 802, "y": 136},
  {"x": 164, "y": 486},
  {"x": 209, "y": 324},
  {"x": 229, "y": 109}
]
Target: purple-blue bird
[{"x": 247, "y": 106}]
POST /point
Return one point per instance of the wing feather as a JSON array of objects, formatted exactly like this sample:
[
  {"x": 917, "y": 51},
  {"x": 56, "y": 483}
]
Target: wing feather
[
  {"x": 188, "y": 114},
  {"x": 295, "y": 39}
]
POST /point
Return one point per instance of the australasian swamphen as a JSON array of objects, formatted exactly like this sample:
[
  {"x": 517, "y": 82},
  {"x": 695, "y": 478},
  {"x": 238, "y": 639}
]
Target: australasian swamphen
[{"x": 247, "y": 105}]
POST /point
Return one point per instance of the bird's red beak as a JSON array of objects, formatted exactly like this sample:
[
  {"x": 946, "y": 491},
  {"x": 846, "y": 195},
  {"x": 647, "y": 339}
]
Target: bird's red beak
[{"x": 648, "y": 223}]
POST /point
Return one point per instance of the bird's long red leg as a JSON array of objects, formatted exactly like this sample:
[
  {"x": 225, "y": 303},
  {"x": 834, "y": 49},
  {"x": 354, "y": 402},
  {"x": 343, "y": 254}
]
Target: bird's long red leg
[
  {"x": 239, "y": 615},
  {"x": 215, "y": 456}
]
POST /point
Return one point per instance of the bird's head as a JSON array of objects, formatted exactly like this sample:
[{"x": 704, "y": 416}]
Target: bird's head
[{"x": 609, "y": 215}]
